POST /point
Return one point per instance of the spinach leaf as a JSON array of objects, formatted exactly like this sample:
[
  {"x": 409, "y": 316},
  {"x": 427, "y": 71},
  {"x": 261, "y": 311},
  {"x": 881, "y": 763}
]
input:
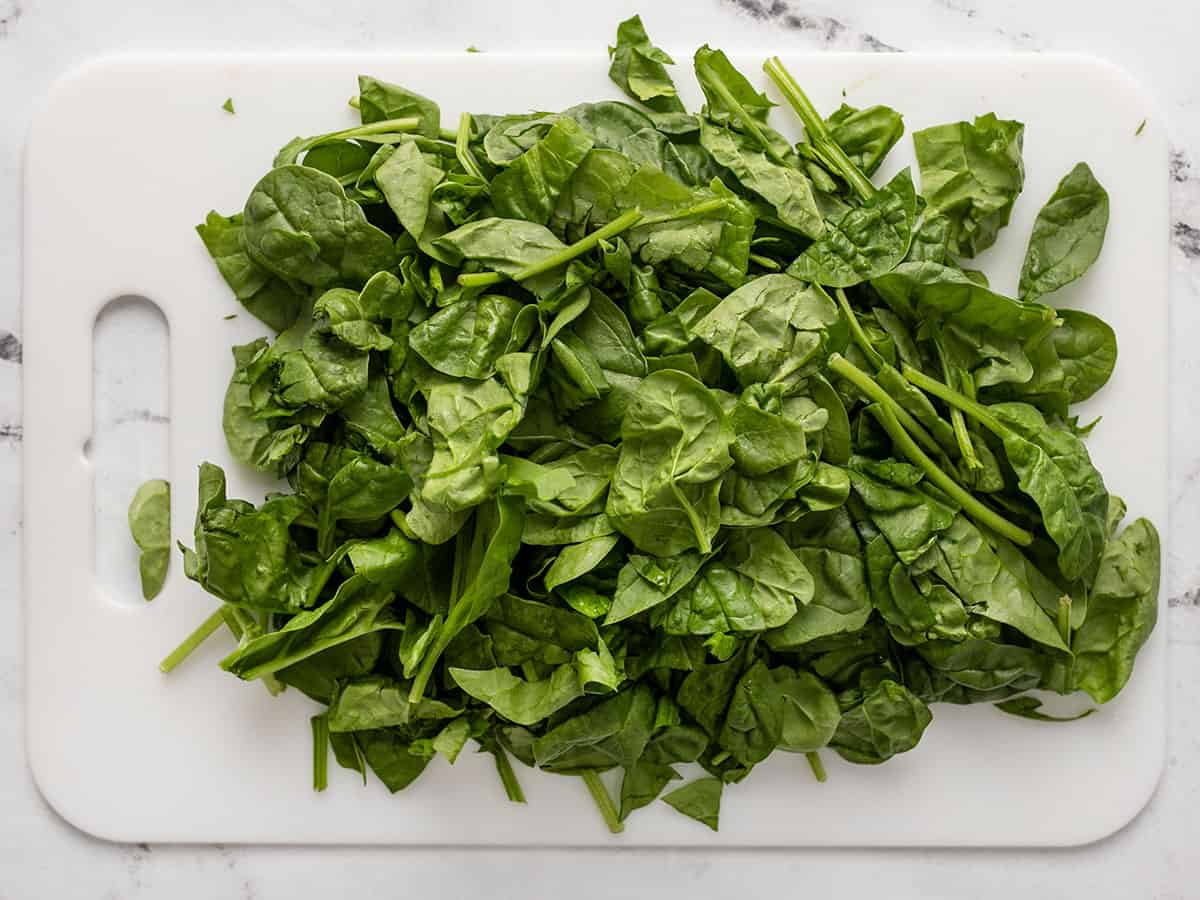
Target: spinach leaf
[
  {"x": 889, "y": 720},
  {"x": 613, "y": 733},
  {"x": 486, "y": 566},
  {"x": 379, "y": 101},
  {"x": 1067, "y": 235},
  {"x": 916, "y": 290},
  {"x": 357, "y": 608},
  {"x": 1030, "y": 708},
  {"x": 784, "y": 187},
  {"x": 299, "y": 225},
  {"x": 1122, "y": 611},
  {"x": 810, "y": 711},
  {"x": 530, "y": 186},
  {"x": 866, "y": 135},
  {"x": 408, "y": 178},
  {"x": 773, "y": 328},
  {"x": 246, "y": 556},
  {"x": 971, "y": 173},
  {"x": 699, "y": 800},
  {"x": 1086, "y": 348},
  {"x": 754, "y": 584},
  {"x": 638, "y": 68},
  {"x": 150, "y": 525},
  {"x": 645, "y": 582},
  {"x": 675, "y": 445},
  {"x": 467, "y": 338},
  {"x": 867, "y": 242},
  {"x": 518, "y": 700},
  {"x": 273, "y": 300}
]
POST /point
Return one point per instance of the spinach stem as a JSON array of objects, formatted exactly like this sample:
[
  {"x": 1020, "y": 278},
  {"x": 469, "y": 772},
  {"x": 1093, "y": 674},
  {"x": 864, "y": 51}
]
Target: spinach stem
[
  {"x": 965, "y": 445},
  {"x": 1064, "y": 619},
  {"x": 462, "y": 147},
  {"x": 977, "y": 411},
  {"x": 748, "y": 121},
  {"x": 814, "y": 763},
  {"x": 192, "y": 641},
  {"x": 818, "y": 133},
  {"x": 972, "y": 507},
  {"x": 554, "y": 260},
  {"x": 600, "y": 794},
  {"x": 867, "y": 385},
  {"x": 320, "y": 734},
  {"x": 698, "y": 210},
  {"x": 765, "y": 261},
  {"x": 856, "y": 331},
  {"x": 245, "y": 626},
  {"x": 512, "y": 786},
  {"x": 384, "y": 126},
  {"x": 702, "y": 539}
]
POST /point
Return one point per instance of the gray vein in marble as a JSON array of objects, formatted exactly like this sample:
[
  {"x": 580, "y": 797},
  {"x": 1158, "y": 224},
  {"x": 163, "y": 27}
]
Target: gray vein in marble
[
  {"x": 1187, "y": 598},
  {"x": 1187, "y": 239},
  {"x": 829, "y": 31},
  {"x": 12, "y": 433},
  {"x": 1179, "y": 165},
  {"x": 959, "y": 7},
  {"x": 142, "y": 415},
  {"x": 10, "y": 347},
  {"x": 10, "y": 12}
]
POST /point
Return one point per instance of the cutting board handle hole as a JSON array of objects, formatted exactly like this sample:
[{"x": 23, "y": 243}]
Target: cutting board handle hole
[{"x": 130, "y": 440}]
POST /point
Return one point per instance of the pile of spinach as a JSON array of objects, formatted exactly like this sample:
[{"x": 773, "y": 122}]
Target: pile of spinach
[{"x": 627, "y": 437}]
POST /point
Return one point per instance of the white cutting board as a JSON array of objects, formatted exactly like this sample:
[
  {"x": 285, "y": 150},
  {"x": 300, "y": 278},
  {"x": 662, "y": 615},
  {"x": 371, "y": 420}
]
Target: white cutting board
[{"x": 128, "y": 155}]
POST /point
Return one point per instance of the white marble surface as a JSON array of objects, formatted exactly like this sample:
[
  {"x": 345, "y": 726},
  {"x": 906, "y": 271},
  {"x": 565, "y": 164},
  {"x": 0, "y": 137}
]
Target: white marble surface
[{"x": 43, "y": 857}]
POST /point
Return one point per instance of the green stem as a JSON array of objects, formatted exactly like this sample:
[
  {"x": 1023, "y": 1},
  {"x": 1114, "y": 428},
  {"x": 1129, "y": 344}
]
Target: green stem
[
  {"x": 512, "y": 786},
  {"x": 965, "y": 445},
  {"x": 702, "y": 540},
  {"x": 600, "y": 794},
  {"x": 245, "y": 627},
  {"x": 445, "y": 134},
  {"x": 462, "y": 147},
  {"x": 974, "y": 509},
  {"x": 1064, "y": 619},
  {"x": 765, "y": 261},
  {"x": 818, "y": 767},
  {"x": 856, "y": 331},
  {"x": 977, "y": 411},
  {"x": 868, "y": 386},
  {"x": 384, "y": 126},
  {"x": 699, "y": 209},
  {"x": 554, "y": 260},
  {"x": 818, "y": 133},
  {"x": 320, "y": 734},
  {"x": 192, "y": 641},
  {"x": 747, "y": 120}
]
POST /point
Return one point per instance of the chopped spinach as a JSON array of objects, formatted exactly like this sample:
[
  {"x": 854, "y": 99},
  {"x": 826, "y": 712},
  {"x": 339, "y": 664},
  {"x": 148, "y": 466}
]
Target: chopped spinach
[{"x": 622, "y": 438}]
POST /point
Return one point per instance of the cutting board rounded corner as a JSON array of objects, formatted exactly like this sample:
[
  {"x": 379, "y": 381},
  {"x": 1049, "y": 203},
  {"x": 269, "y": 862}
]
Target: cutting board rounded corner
[
  {"x": 61, "y": 794},
  {"x": 1119, "y": 817}
]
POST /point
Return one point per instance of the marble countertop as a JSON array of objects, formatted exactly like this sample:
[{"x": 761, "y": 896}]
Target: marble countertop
[{"x": 41, "y": 856}]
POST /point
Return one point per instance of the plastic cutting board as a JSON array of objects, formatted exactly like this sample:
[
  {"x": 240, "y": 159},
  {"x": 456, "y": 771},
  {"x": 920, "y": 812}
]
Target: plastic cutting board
[{"x": 128, "y": 154}]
